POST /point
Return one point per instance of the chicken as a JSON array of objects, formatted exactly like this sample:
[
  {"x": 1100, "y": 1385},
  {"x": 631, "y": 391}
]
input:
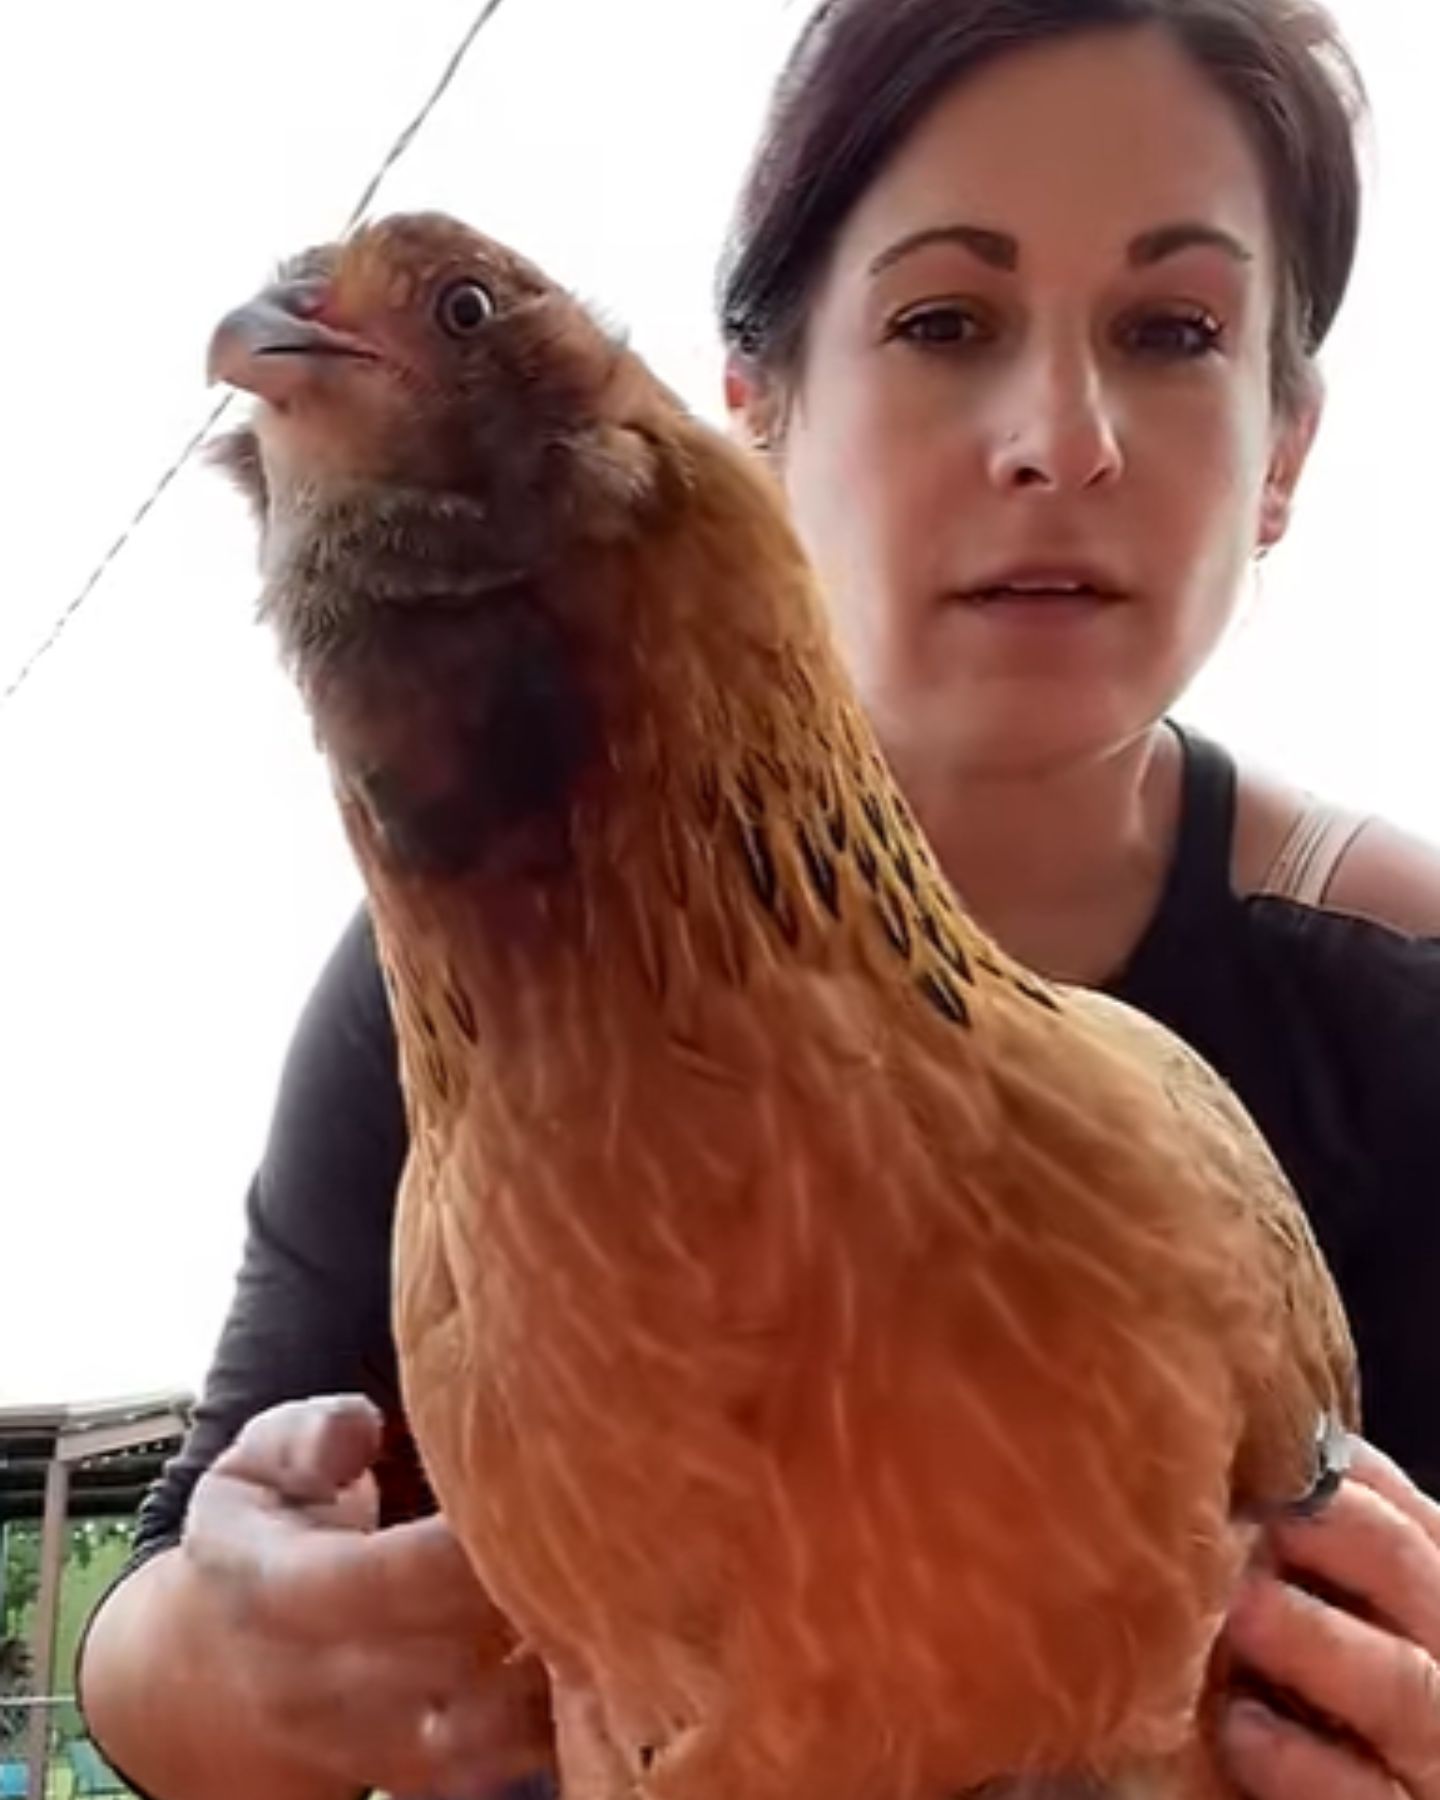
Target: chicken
[{"x": 857, "y": 1367}]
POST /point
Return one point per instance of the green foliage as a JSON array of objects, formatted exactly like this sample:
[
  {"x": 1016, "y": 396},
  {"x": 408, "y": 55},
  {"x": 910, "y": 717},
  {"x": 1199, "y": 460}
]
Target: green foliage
[
  {"x": 22, "y": 1576},
  {"x": 95, "y": 1552}
]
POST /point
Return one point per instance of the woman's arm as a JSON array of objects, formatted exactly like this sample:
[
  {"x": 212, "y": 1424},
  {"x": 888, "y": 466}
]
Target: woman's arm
[
  {"x": 254, "y": 1646},
  {"x": 161, "y": 1699},
  {"x": 289, "y": 1649},
  {"x": 1391, "y": 877}
]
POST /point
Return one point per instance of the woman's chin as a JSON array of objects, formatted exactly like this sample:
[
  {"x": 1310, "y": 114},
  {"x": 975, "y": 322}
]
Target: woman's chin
[{"x": 1011, "y": 728}]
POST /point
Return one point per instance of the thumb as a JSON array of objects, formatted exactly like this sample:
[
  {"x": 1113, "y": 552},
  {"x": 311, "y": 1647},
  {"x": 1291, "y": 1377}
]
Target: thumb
[{"x": 308, "y": 1451}]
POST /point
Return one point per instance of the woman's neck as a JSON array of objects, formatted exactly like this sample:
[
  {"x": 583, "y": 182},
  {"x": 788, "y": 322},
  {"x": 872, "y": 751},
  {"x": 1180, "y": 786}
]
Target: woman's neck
[{"x": 1063, "y": 866}]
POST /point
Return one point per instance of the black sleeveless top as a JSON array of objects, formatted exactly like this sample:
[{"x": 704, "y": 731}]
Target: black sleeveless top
[{"x": 1327, "y": 1026}]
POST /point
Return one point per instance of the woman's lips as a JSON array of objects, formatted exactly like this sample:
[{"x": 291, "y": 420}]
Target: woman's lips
[
  {"x": 1046, "y": 581},
  {"x": 1044, "y": 593}
]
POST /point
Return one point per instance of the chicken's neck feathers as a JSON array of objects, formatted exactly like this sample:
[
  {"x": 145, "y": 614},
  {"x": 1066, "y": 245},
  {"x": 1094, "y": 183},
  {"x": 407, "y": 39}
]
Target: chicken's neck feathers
[{"x": 738, "y": 826}]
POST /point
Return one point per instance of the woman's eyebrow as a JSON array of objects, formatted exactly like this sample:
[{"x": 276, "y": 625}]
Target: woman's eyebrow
[
  {"x": 1169, "y": 240},
  {"x": 1000, "y": 250},
  {"x": 997, "y": 248}
]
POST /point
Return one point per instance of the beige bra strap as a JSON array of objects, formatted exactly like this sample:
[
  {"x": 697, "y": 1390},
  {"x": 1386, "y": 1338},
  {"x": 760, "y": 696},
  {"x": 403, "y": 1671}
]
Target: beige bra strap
[{"x": 1306, "y": 862}]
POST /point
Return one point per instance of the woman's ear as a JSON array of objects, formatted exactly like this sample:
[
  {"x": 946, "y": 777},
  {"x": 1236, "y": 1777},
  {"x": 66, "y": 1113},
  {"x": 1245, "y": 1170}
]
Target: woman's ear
[
  {"x": 1294, "y": 436},
  {"x": 752, "y": 402}
]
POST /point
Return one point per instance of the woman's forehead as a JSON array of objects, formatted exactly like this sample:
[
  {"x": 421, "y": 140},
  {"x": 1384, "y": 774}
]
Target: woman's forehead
[{"x": 1074, "y": 150}]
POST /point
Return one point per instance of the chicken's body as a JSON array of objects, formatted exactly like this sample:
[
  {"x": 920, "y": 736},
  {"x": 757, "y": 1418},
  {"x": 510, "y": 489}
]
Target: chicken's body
[{"x": 853, "y": 1365}]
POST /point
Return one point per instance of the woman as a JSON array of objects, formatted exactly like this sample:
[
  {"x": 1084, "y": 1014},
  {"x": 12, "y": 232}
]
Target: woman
[{"x": 1023, "y": 304}]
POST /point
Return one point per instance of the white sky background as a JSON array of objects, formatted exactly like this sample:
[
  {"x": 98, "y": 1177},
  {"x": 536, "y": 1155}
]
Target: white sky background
[{"x": 171, "y": 873}]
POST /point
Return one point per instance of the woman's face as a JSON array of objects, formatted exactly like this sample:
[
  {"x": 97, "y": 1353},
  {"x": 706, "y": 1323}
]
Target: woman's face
[{"x": 1032, "y": 446}]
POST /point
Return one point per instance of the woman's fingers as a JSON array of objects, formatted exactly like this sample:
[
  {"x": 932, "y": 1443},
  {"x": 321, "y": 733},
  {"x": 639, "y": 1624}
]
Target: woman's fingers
[
  {"x": 1375, "y": 1470},
  {"x": 1377, "y": 1552},
  {"x": 1381, "y": 1688},
  {"x": 1272, "y": 1759}
]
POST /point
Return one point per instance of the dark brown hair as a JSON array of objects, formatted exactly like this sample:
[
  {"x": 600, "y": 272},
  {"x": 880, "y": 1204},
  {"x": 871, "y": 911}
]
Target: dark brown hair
[{"x": 865, "y": 72}]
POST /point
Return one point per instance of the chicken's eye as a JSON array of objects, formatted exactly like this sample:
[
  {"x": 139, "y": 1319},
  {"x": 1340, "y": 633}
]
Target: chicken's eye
[{"x": 463, "y": 308}]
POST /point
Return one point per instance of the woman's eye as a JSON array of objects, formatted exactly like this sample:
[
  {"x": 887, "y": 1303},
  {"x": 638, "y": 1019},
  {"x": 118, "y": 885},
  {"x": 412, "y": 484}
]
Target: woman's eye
[
  {"x": 1173, "y": 336},
  {"x": 939, "y": 327}
]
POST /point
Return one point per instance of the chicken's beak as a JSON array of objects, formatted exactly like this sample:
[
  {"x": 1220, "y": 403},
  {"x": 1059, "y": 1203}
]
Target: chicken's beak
[{"x": 276, "y": 345}]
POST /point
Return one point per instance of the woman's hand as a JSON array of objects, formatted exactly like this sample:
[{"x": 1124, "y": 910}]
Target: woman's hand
[
  {"x": 1366, "y": 1659},
  {"x": 372, "y": 1656}
]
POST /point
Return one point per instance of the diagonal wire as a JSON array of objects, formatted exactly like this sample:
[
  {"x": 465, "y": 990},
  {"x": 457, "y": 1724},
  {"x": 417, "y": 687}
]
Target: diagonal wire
[
  {"x": 418, "y": 123},
  {"x": 107, "y": 562},
  {"x": 111, "y": 557}
]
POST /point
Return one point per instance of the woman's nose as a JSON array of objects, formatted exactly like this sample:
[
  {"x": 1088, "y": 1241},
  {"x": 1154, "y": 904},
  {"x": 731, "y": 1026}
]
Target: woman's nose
[{"x": 1056, "y": 430}]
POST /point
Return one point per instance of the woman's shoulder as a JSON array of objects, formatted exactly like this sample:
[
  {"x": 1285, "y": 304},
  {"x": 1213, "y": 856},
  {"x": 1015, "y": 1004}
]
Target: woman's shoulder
[
  {"x": 1297, "y": 946},
  {"x": 1392, "y": 877},
  {"x": 1291, "y": 845}
]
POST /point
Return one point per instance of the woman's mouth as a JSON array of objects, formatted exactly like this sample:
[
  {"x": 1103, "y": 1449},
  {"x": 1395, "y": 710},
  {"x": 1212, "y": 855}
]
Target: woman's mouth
[{"x": 1063, "y": 592}]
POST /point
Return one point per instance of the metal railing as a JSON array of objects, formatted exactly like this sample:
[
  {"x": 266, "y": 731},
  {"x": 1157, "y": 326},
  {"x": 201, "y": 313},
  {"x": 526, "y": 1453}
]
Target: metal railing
[{"x": 47, "y": 1754}]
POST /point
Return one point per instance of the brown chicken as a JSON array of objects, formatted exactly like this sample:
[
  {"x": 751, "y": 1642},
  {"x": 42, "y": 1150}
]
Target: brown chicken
[{"x": 858, "y": 1368}]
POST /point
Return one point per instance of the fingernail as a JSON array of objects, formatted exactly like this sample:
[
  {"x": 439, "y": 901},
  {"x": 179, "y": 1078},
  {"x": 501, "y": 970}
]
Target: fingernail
[{"x": 1247, "y": 1723}]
